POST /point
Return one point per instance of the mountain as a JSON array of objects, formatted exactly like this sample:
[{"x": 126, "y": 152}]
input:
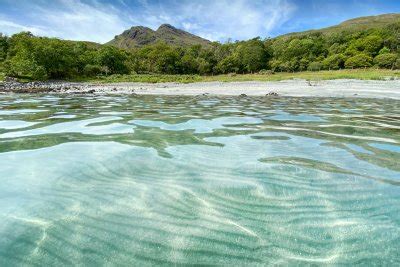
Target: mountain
[
  {"x": 354, "y": 25},
  {"x": 139, "y": 36}
]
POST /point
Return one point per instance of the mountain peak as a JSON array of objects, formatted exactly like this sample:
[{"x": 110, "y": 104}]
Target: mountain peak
[
  {"x": 139, "y": 36},
  {"x": 166, "y": 26},
  {"x": 136, "y": 30}
]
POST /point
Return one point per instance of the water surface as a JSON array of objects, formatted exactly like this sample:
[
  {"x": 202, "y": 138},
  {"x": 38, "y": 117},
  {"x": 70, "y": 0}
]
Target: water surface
[{"x": 122, "y": 180}]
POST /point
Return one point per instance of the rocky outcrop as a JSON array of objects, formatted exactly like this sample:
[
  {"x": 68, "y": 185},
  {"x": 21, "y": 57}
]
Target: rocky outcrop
[{"x": 139, "y": 36}]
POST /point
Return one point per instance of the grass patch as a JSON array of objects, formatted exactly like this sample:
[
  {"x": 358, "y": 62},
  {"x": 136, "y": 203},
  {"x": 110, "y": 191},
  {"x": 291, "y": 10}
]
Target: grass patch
[
  {"x": 368, "y": 74},
  {"x": 360, "y": 74},
  {"x": 364, "y": 74},
  {"x": 147, "y": 78},
  {"x": 2, "y": 76}
]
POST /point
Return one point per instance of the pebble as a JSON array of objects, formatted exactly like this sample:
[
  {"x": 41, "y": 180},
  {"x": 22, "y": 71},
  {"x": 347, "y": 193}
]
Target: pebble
[{"x": 12, "y": 85}]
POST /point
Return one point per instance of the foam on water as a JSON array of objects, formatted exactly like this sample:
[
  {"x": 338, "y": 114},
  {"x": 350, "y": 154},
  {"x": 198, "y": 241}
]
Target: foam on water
[{"x": 112, "y": 180}]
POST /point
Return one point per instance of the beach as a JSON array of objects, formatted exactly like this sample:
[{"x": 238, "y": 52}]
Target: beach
[{"x": 293, "y": 88}]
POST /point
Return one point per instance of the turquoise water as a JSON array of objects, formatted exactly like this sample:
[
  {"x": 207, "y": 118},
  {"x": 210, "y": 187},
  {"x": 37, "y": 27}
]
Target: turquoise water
[{"x": 120, "y": 180}]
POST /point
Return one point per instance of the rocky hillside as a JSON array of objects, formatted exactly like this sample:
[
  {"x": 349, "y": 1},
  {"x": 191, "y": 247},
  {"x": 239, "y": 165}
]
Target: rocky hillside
[{"x": 139, "y": 36}]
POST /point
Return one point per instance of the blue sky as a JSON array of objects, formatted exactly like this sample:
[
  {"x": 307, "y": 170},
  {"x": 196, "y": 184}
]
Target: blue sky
[{"x": 101, "y": 20}]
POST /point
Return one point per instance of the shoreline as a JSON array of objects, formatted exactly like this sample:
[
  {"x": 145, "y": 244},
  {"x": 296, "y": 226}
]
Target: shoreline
[{"x": 292, "y": 88}]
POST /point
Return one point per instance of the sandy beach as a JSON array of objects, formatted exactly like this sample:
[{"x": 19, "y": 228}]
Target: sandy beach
[{"x": 293, "y": 88}]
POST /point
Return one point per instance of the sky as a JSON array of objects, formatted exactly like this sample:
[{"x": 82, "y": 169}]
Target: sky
[{"x": 216, "y": 20}]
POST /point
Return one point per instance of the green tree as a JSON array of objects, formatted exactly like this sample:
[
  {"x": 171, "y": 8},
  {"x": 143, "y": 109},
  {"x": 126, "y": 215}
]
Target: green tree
[
  {"x": 373, "y": 44},
  {"x": 334, "y": 62},
  {"x": 161, "y": 58},
  {"x": 397, "y": 64},
  {"x": 112, "y": 58},
  {"x": 252, "y": 55},
  {"x": 205, "y": 67},
  {"x": 337, "y": 48},
  {"x": 56, "y": 56},
  {"x": 25, "y": 67},
  {"x": 359, "y": 61},
  {"x": 92, "y": 70},
  {"x": 229, "y": 64},
  {"x": 384, "y": 50},
  {"x": 315, "y": 66},
  {"x": 3, "y": 47},
  {"x": 370, "y": 44},
  {"x": 298, "y": 48},
  {"x": 386, "y": 60},
  {"x": 189, "y": 64},
  {"x": 303, "y": 64},
  {"x": 21, "y": 60},
  {"x": 275, "y": 65}
]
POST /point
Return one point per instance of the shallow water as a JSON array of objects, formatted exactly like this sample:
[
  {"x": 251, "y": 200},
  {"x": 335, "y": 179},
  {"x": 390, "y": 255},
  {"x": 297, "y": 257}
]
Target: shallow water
[{"x": 151, "y": 180}]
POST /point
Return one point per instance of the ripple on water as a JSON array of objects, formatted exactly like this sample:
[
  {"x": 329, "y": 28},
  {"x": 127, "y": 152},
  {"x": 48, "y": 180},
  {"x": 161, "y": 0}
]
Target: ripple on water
[
  {"x": 15, "y": 124},
  {"x": 213, "y": 181}
]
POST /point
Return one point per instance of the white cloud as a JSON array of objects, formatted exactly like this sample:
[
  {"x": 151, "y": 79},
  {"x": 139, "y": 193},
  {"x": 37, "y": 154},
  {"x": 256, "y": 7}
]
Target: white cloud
[
  {"x": 8, "y": 27},
  {"x": 222, "y": 19},
  {"x": 74, "y": 20},
  {"x": 97, "y": 21}
]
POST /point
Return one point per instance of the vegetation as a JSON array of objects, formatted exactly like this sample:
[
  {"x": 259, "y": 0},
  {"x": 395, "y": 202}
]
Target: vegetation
[
  {"x": 361, "y": 74},
  {"x": 349, "y": 47},
  {"x": 147, "y": 78}
]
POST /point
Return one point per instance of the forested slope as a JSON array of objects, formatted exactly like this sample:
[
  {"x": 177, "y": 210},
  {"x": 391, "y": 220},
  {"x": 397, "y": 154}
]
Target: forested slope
[{"x": 358, "y": 43}]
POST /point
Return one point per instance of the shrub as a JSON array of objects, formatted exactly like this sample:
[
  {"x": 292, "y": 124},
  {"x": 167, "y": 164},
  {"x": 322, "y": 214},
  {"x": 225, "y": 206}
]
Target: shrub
[
  {"x": 384, "y": 50},
  {"x": 397, "y": 64},
  {"x": 314, "y": 66},
  {"x": 91, "y": 70},
  {"x": 25, "y": 68},
  {"x": 304, "y": 62},
  {"x": 334, "y": 62},
  {"x": 39, "y": 73},
  {"x": 275, "y": 65},
  {"x": 386, "y": 60},
  {"x": 359, "y": 61},
  {"x": 266, "y": 72}
]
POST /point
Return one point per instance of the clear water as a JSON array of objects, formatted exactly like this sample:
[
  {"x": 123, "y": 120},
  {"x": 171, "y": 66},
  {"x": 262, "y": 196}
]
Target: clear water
[{"x": 120, "y": 180}]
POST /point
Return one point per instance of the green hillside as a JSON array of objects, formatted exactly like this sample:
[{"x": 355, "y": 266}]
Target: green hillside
[
  {"x": 368, "y": 42},
  {"x": 354, "y": 25}
]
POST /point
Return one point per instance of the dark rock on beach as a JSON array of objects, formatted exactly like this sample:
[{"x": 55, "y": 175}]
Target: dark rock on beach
[
  {"x": 10, "y": 85},
  {"x": 272, "y": 94}
]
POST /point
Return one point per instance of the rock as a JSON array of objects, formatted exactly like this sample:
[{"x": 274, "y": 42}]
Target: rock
[
  {"x": 10, "y": 79},
  {"x": 242, "y": 95},
  {"x": 272, "y": 94},
  {"x": 91, "y": 91}
]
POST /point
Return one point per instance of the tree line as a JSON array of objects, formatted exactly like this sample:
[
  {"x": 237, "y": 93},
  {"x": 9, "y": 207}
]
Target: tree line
[{"x": 27, "y": 56}]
